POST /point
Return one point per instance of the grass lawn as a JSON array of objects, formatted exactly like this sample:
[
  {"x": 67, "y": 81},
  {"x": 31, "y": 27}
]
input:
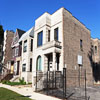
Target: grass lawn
[{"x": 6, "y": 94}]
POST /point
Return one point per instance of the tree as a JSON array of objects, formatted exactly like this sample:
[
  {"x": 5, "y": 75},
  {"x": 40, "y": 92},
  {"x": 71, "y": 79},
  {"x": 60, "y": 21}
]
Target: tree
[{"x": 1, "y": 34}]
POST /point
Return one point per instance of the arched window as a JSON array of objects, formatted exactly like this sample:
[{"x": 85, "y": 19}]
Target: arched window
[{"x": 39, "y": 63}]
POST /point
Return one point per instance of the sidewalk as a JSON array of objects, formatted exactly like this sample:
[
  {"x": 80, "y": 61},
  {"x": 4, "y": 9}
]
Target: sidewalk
[{"x": 27, "y": 91}]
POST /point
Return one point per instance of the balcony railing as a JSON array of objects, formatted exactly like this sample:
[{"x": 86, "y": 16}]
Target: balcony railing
[{"x": 51, "y": 44}]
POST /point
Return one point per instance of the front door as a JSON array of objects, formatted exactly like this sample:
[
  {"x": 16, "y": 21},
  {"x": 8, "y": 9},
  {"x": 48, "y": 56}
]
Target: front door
[
  {"x": 57, "y": 61},
  {"x": 18, "y": 64},
  {"x": 50, "y": 62}
]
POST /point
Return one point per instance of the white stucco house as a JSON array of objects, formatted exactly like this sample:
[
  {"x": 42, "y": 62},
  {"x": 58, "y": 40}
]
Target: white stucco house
[
  {"x": 48, "y": 52},
  {"x": 26, "y": 41}
]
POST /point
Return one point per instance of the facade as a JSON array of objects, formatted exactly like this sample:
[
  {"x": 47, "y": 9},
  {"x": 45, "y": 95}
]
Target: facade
[
  {"x": 1, "y": 56},
  {"x": 95, "y": 50},
  {"x": 26, "y": 65},
  {"x": 7, "y": 50},
  {"x": 59, "y": 42},
  {"x": 16, "y": 48}
]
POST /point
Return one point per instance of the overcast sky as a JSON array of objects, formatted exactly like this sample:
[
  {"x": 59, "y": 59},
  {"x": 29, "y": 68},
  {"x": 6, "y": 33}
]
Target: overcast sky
[{"x": 23, "y": 13}]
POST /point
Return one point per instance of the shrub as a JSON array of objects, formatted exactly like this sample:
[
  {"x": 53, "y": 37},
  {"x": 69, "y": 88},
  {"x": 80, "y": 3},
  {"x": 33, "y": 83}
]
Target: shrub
[{"x": 21, "y": 82}]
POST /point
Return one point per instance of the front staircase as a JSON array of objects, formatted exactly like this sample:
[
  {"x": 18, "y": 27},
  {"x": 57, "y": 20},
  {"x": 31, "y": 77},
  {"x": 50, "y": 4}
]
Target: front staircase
[{"x": 5, "y": 75}]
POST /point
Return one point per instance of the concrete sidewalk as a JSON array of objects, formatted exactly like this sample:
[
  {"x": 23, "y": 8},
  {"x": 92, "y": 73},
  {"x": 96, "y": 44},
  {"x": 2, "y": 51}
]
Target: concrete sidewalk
[{"x": 27, "y": 91}]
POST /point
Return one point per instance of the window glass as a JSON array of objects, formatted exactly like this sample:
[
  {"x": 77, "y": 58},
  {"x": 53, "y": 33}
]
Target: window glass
[
  {"x": 56, "y": 34},
  {"x": 48, "y": 35},
  {"x": 95, "y": 49},
  {"x": 81, "y": 44},
  {"x": 16, "y": 51},
  {"x": 25, "y": 46},
  {"x": 39, "y": 64},
  {"x": 40, "y": 38},
  {"x": 31, "y": 44},
  {"x": 24, "y": 68}
]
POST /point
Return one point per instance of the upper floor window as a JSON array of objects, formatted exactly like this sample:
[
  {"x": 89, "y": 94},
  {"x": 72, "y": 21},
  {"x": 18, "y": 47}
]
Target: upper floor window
[
  {"x": 81, "y": 44},
  {"x": 15, "y": 39},
  {"x": 31, "y": 44},
  {"x": 16, "y": 51},
  {"x": 40, "y": 39},
  {"x": 25, "y": 46},
  {"x": 92, "y": 49},
  {"x": 48, "y": 35},
  {"x": 95, "y": 49},
  {"x": 56, "y": 33}
]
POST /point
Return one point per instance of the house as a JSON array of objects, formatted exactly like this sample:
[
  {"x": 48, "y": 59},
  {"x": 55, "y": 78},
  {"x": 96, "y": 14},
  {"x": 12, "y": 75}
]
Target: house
[
  {"x": 95, "y": 50},
  {"x": 7, "y": 50},
  {"x": 26, "y": 65},
  {"x": 61, "y": 40},
  {"x": 95, "y": 56},
  {"x": 1, "y": 46},
  {"x": 1, "y": 57},
  {"x": 16, "y": 54}
]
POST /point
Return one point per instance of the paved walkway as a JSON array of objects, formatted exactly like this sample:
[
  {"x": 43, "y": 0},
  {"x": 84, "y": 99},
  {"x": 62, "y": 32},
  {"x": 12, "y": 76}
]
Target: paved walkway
[{"x": 27, "y": 91}]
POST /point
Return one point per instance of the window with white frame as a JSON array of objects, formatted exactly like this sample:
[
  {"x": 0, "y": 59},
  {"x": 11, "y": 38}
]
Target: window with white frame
[
  {"x": 24, "y": 68},
  {"x": 16, "y": 51},
  {"x": 25, "y": 46}
]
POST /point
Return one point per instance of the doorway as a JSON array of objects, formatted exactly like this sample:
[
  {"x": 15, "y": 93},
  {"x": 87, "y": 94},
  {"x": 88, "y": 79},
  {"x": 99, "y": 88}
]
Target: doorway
[{"x": 18, "y": 64}]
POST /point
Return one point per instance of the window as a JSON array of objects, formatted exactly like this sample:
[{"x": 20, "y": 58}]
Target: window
[
  {"x": 81, "y": 44},
  {"x": 40, "y": 39},
  {"x": 95, "y": 49},
  {"x": 16, "y": 51},
  {"x": 31, "y": 44},
  {"x": 92, "y": 49},
  {"x": 24, "y": 68},
  {"x": 25, "y": 46},
  {"x": 39, "y": 64},
  {"x": 30, "y": 64},
  {"x": 48, "y": 35},
  {"x": 56, "y": 34},
  {"x": 15, "y": 40}
]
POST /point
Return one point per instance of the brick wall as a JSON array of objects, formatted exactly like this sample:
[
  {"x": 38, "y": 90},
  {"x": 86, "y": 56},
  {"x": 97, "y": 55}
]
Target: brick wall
[
  {"x": 73, "y": 31},
  {"x": 8, "y": 49}
]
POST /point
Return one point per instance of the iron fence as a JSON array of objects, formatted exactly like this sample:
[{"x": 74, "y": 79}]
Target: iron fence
[{"x": 67, "y": 84}]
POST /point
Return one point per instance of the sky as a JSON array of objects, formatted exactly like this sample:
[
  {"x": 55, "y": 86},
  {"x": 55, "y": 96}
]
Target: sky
[{"x": 23, "y": 13}]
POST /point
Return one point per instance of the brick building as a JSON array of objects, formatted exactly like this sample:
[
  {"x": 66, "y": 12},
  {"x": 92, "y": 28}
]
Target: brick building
[
  {"x": 7, "y": 50},
  {"x": 61, "y": 42}
]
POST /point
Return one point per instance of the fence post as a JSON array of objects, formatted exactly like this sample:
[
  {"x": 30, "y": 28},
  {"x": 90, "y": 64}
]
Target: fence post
[
  {"x": 47, "y": 82},
  {"x": 64, "y": 82},
  {"x": 85, "y": 87}
]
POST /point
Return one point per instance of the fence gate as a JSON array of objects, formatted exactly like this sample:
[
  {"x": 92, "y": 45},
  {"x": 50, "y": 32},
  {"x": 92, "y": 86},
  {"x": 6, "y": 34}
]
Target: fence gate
[{"x": 76, "y": 84}]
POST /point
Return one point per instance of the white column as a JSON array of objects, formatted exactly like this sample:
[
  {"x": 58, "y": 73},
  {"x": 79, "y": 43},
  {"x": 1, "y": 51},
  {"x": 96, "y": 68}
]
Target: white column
[{"x": 54, "y": 61}]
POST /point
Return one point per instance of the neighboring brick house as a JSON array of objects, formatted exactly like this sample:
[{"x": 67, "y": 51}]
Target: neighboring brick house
[
  {"x": 95, "y": 59},
  {"x": 26, "y": 65},
  {"x": 76, "y": 42},
  {"x": 95, "y": 50},
  {"x": 60, "y": 39},
  {"x": 7, "y": 50},
  {"x": 1, "y": 57},
  {"x": 16, "y": 47}
]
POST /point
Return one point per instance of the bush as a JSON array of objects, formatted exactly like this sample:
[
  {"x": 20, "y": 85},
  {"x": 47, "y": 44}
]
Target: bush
[{"x": 21, "y": 82}]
